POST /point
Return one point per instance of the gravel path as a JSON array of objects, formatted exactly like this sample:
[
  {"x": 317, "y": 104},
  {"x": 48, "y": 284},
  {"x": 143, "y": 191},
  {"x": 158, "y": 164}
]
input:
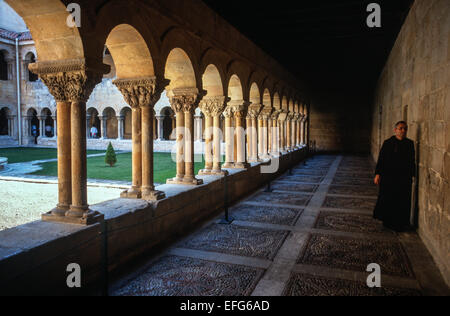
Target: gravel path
[{"x": 21, "y": 203}]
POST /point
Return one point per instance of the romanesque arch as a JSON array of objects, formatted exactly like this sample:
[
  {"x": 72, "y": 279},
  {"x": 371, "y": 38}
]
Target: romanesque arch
[
  {"x": 93, "y": 120},
  {"x": 125, "y": 115},
  {"x": 4, "y": 125},
  {"x": 110, "y": 123}
]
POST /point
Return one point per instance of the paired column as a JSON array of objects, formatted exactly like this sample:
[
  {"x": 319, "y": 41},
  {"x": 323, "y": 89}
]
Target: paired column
[
  {"x": 71, "y": 86},
  {"x": 240, "y": 113},
  {"x": 142, "y": 95},
  {"x": 289, "y": 132},
  {"x": 184, "y": 102},
  {"x": 229, "y": 137},
  {"x": 275, "y": 139},
  {"x": 212, "y": 108},
  {"x": 252, "y": 132},
  {"x": 159, "y": 127},
  {"x": 120, "y": 120}
]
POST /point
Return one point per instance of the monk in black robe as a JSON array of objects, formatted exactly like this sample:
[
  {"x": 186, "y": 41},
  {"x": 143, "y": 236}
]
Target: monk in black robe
[{"x": 394, "y": 172}]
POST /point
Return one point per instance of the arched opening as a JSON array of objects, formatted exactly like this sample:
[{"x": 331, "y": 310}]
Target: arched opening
[
  {"x": 168, "y": 119},
  {"x": 29, "y": 59},
  {"x": 126, "y": 117},
  {"x": 34, "y": 128},
  {"x": 284, "y": 104},
  {"x": 3, "y": 66},
  {"x": 179, "y": 71},
  {"x": 276, "y": 101},
  {"x": 255, "y": 96},
  {"x": 267, "y": 102},
  {"x": 4, "y": 127},
  {"x": 235, "y": 91},
  {"x": 212, "y": 82},
  {"x": 48, "y": 123},
  {"x": 111, "y": 124},
  {"x": 94, "y": 124}
]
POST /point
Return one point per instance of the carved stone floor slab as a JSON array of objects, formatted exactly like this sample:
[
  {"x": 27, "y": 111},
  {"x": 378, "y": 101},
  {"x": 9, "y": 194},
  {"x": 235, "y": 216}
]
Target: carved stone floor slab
[
  {"x": 294, "y": 187},
  {"x": 237, "y": 240},
  {"x": 307, "y": 179},
  {"x": 347, "y": 222},
  {"x": 281, "y": 198},
  {"x": 308, "y": 285},
  {"x": 353, "y": 181},
  {"x": 356, "y": 254},
  {"x": 266, "y": 214},
  {"x": 180, "y": 276},
  {"x": 353, "y": 190},
  {"x": 349, "y": 203}
]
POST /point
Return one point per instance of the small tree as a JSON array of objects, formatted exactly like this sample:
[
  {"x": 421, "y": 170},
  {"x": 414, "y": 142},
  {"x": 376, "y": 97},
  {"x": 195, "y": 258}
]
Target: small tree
[{"x": 110, "y": 157}]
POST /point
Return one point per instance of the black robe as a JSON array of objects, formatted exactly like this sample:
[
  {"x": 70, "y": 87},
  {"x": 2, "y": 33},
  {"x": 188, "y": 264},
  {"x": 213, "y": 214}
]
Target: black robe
[{"x": 396, "y": 166}]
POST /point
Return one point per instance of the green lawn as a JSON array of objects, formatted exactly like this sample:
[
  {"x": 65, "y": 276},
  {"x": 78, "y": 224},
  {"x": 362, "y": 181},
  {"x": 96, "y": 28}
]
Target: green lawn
[
  {"x": 22, "y": 154},
  {"x": 164, "y": 168}
]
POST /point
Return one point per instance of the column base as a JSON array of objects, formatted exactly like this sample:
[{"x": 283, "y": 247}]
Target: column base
[
  {"x": 153, "y": 195},
  {"x": 131, "y": 194},
  {"x": 185, "y": 181},
  {"x": 241, "y": 165},
  {"x": 59, "y": 210},
  {"x": 228, "y": 165},
  {"x": 205, "y": 172},
  {"x": 275, "y": 155},
  {"x": 89, "y": 218}
]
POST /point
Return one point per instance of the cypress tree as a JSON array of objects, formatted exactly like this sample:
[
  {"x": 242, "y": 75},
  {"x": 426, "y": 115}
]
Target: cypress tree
[{"x": 110, "y": 157}]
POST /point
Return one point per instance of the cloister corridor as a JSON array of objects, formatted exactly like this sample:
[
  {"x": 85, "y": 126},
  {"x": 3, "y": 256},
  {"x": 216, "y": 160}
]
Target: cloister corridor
[{"x": 224, "y": 148}]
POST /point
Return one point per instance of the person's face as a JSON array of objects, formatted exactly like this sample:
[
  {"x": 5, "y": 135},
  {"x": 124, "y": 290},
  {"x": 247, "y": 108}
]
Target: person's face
[{"x": 401, "y": 131}]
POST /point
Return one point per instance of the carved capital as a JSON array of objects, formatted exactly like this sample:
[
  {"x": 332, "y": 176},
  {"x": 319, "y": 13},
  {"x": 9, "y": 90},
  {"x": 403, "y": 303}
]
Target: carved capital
[
  {"x": 142, "y": 92},
  {"x": 70, "y": 80},
  {"x": 184, "y": 100},
  {"x": 228, "y": 112},
  {"x": 212, "y": 106}
]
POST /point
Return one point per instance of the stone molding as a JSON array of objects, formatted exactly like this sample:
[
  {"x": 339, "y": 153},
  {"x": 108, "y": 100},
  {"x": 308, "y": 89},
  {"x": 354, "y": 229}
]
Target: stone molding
[
  {"x": 213, "y": 106},
  {"x": 141, "y": 92},
  {"x": 184, "y": 100}
]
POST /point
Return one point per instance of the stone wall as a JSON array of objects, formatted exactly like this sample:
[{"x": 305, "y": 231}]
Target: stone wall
[{"x": 414, "y": 86}]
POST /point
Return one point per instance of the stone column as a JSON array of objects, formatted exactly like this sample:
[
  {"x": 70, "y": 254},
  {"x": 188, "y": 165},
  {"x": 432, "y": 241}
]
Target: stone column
[
  {"x": 260, "y": 136},
  {"x": 71, "y": 83},
  {"x": 159, "y": 127},
  {"x": 41, "y": 126},
  {"x": 184, "y": 103},
  {"x": 302, "y": 132},
  {"x": 269, "y": 135},
  {"x": 104, "y": 125},
  {"x": 249, "y": 137},
  {"x": 198, "y": 129},
  {"x": 240, "y": 113},
  {"x": 212, "y": 108},
  {"x": 229, "y": 137},
  {"x": 275, "y": 135},
  {"x": 142, "y": 94},
  {"x": 88, "y": 129},
  {"x": 252, "y": 129},
  {"x": 120, "y": 120},
  {"x": 288, "y": 133}
]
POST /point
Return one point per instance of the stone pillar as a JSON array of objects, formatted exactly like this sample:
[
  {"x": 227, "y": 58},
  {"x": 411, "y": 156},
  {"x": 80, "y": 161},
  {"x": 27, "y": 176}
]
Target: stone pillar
[
  {"x": 88, "y": 129},
  {"x": 159, "y": 127},
  {"x": 260, "y": 137},
  {"x": 289, "y": 132},
  {"x": 198, "y": 129},
  {"x": 71, "y": 83},
  {"x": 41, "y": 126},
  {"x": 212, "y": 108},
  {"x": 142, "y": 94},
  {"x": 240, "y": 113},
  {"x": 275, "y": 135},
  {"x": 252, "y": 129},
  {"x": 229, "y": 138},
  {"x": 104, "y": 125},
  {"x": 184, "y": 103},
  {"x": 269, "y": 135},
  {"x": 249, "y": 136},
  {"x": 302, "y": 132},
  {"x": 120, "y": 120}
]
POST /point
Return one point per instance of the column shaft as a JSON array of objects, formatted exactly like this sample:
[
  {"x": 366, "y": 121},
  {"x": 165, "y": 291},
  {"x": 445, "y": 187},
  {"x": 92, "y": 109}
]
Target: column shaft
[
  {"x": 229, "y": 138},
  {"x": 180, "y": 147},
  {"x": 209, "y": 135},
  {"x": 79, "y": 161}
]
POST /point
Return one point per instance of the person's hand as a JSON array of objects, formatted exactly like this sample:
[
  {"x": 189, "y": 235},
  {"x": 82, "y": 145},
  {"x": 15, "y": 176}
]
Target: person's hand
[{"x": 377, "y": 179}]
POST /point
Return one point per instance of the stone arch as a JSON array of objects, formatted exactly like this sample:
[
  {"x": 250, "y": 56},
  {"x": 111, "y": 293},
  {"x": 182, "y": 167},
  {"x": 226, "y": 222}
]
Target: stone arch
[
  {"x": 235, "y": 89},
  {"x": 3, "y": 65},
  {"x": 53, "y": 38},
  {"x": 48, "y": 126},
  {"x": 130, "y": 53},
  {"x": 168, "y": 122},
  {"x": 255, "y": 95},
  {"x": 180, "y": 70},
  {"x": 267, "y": 98},
  {"x": 33, "y": 126},
  {"x": 276, "y": 101},
  {"x": 30, "y": 59},
  {"x": 214, "y": 58},
  {"x": 111, "y": 123},
  {"x": 4, "y": 125},
  {"x": 125, "y": 115},
  {"x": 242, "y": 72},
  {"x": 181, "y": 60},
  {"x": 291, "y": 106},
  {"x": 212, "y": 81},
  {"x": 94, "y": 121},
  {"x": 284, "y": 104}
]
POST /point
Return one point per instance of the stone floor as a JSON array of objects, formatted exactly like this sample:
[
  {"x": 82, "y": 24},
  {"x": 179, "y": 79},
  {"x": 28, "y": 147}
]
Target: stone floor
[{"x": 313, "y": 235}]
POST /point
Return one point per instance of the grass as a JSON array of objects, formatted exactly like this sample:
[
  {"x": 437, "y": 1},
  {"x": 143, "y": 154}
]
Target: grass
[
  {"x": 164, "y": 166},
  {"x": 25, "y": 154}
]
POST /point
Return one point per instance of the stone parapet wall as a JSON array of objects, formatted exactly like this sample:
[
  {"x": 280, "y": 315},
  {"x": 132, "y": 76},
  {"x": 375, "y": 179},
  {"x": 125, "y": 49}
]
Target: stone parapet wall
[
  {"x": 414, "y": 87},
  {"x": 38, "y": 253}
]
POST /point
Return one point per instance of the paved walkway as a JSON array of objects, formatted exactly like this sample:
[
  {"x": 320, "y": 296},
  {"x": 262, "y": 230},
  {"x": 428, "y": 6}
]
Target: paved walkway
[{"x": 313, "y": 235}]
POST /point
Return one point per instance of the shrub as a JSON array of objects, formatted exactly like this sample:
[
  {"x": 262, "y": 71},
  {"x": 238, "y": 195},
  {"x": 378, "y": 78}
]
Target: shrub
[{"x": 110, "y": 157}]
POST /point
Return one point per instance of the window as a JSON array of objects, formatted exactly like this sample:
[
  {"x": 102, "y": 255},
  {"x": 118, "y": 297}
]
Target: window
[{"x": 3, "y": 67}]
